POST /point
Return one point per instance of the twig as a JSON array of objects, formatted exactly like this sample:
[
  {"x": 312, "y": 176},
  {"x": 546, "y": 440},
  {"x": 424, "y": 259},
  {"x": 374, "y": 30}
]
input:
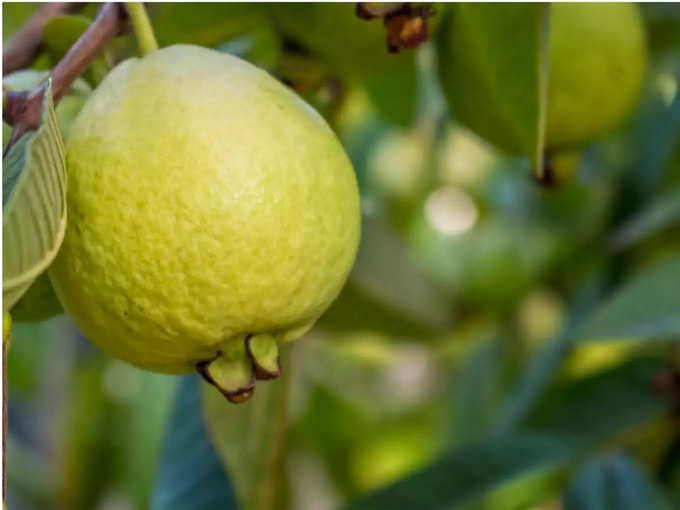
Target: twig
[
  {"x": 26, "y": 44},
  {"x": 22, "y": 109}
]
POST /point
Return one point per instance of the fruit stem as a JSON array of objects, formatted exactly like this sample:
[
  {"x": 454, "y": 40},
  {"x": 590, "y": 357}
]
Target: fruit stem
[{"x": 146, "y": 40}]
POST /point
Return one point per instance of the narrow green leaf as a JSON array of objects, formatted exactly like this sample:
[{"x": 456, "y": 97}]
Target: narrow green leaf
[
  {"x": 648, "y": 307},
  {"x": 542, "y": 366},
  {"x": 601, "y": 406},
  {"x": 614, "y": 482},
  {"x": 494, "y": 63},
  {"x": 571, "y": 422},
  {"x": 251, "y": 439},
  {"x": 468, "y": 473},
  {"x": 34, "y": 215},
  {"x": 190, "y": 475},
  {"x": 661, "y": 214}
]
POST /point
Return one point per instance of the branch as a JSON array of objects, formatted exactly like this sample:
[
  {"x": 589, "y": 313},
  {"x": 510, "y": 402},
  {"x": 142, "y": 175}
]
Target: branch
[
  {"x": 23, "y": 109},
  {"x": 26, "y": 44}
]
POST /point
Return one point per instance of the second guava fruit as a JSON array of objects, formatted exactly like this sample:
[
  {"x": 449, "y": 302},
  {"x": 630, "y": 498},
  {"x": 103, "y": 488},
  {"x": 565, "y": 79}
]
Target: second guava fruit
[
  {"x": 212, "y": 215},
  {"x": 597, "y": 61}
]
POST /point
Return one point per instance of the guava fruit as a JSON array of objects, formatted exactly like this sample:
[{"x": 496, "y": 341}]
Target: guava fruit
[
  {"x": 39, "y": 302},
  {"x": 212, "y": 216},
  {"x": 597, "y": 61}
]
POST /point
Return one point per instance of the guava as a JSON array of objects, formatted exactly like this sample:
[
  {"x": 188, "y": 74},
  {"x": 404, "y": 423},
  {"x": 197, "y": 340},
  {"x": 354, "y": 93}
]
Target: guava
[
  {"x": 597, "y": 61},
  {"x": 213, "y": 215},
  {"x": 39, "y": 302}
]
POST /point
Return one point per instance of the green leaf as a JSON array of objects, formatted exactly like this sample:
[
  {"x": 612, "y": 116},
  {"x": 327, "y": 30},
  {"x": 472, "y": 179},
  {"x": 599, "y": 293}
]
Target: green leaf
[
  {"x": 190, "y": 474},
  {"x": 34, "y": 215},
  {"x": 540, "y": 369},
  {"x": 477, "y": 390},
  {"x": 386, "y": 291},
  {"x": 614, "y": 482},
  {"x": 572, "y": 421},
  {"x": 646, "y": 308},
  {"x": 494, "y": 64},
  {"x": 393, "y": 92},
  {"x": 205, "y": 24},
  {"x": 601, "y": 406},
  {"x": 661, "y": 214},
  {"x": 469, "y": 473},
  {"x": 61, "y": 32},
  {"x": 251, "y": 439}
]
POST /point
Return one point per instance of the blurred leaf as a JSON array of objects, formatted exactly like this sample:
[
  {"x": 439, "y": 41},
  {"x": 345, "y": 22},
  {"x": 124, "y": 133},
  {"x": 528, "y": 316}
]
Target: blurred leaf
[
  {"x": 34, "y": 212},
  {"x": 61, "y": 32},
  {"x": 571, "y": 422},
  {"x": 498, "y": 55},
  {"x": 204, "y": 24},
  {"x": 261, "y": 46},
  {"x": 662, "y": 213},
  {"x": 468, "y": 473},
  {"x": 140, "y": 423},
  {"x": 190, "y": 474},
  {"x": 393, "y": 93},
  {"x": 333, "y": 31},
  {"x": 15, "y": 14},
  {"x": 84, "y": 468},
  {"x": 663, "y": 22},
  {"x": 614, "y": 482},
  {"x": 477, "y": 391},
  {"x": 251, "y": 438},
  {"x": 646, "y": 307},
  {"x": 602, "y": 406},
  {"x": 386, "y": 292}
]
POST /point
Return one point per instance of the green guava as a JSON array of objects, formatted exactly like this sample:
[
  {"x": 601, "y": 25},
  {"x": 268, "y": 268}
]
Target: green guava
[
  {"x": 212, "y": 216},
  {"x": 39, "y": 302},
  {"x": 597, "y": 61}
]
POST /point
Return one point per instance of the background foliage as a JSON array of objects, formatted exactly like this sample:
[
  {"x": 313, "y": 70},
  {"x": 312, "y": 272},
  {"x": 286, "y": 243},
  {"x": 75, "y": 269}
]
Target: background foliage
[{"x": 499, "y": 345}]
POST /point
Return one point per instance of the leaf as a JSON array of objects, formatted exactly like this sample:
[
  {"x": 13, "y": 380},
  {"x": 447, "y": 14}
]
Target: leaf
[
  {"x": 494, "y": 64},
  {"x": 393, "y": 92},
  {"x": 209, "y": 24},
  {"x": 570, "y": 423},
  {"x": 661, "y": 214},
  {"x": 598, "y": 407},
  {"x": 34, "y": 215},
  {"x": 190, "y": 475},
  {"x": 614, "y": 482},
  {"x": 251, "y": 438},
  {"x": 647, "y": 307},
  {"x": 468, "y": 473},
  {"x": 477, "y": 390},
  {"x": 542, "y": 366},
  {"x": 61, "y": 32},
  {"x": 386, "y": 292}
]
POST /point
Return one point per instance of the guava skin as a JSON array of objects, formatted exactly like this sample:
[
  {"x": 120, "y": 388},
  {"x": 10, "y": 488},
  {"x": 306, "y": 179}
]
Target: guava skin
[
  {"x": 207, "y": 202},
  {"x": 598, "y": 55},
  {"x": 597, "y": 62}
]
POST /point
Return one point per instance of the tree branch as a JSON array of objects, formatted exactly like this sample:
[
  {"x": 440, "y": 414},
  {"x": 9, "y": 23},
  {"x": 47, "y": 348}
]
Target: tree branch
[
  {"x": 26, "y": 44},
  {"x": 22, "y": 109}
]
